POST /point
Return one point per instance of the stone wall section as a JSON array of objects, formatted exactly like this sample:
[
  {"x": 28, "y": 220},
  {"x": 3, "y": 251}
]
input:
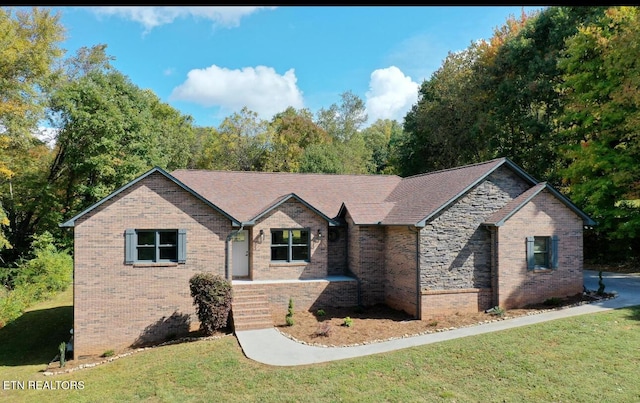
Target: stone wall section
[
  {"x": 455, "y": 250},
  {"x": 118, "y": 304}
]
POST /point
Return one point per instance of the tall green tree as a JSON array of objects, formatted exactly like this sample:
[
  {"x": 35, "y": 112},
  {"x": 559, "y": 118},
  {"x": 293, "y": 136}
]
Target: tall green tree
[
  {"x": 293, "y": 132},
  {"x": 343, "y": 122},
  {"x": 444, "y": 127},
  {"x": 29, "y": 55},
  {"x": 29, "y": 52},
  {"x": 601, "y": 87},
  {"x": 379, "y": 138},
  {"x": 522, "y": 83},
  {"x": 241, "y": 143}
]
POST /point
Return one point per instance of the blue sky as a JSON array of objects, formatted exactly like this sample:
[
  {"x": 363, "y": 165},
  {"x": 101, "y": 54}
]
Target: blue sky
[{"x": 209, "y": 62}]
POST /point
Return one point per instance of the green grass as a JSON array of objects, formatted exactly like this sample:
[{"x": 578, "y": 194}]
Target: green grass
[{"x": 587, "y": 358}]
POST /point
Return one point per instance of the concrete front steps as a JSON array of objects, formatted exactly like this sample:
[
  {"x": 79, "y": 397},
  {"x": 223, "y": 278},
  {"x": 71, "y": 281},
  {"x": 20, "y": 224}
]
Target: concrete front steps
[{"x": 250, "y": 308}]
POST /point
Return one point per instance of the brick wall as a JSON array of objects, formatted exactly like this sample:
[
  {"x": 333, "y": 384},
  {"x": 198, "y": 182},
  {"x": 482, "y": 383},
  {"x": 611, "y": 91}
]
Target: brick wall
[
  {"x": 116, "y": 304},
  {"x": 337, "y": 251},
  {"x": 543, "y": 216},
  {"x": 289, "y": 215},
  {"x": 307, "y": 295},
  {"x": 400, "y": 257},
  {"x": 366, "y": 246},
  {"x": 450, "y": 302}
]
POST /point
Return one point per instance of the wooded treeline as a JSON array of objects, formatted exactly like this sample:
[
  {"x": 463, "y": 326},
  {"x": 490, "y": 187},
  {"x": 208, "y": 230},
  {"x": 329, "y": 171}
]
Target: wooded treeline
[{"x": 556, "y": 92}]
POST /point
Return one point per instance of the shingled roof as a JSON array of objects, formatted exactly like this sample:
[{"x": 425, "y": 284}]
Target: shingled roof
[
  {"x": 370, "y": 199},
  {"x": 246, "y": 195}
]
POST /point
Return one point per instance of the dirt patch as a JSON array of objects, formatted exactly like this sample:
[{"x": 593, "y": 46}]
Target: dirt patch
[{"x": 379, "y": 323}]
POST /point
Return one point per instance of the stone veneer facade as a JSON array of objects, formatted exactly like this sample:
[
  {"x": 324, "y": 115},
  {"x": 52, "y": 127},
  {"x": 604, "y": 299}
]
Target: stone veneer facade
[{"x": 455, "y": 249}]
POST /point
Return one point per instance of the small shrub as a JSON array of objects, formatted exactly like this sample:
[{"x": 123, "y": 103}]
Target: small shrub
[
  {"x": 348, "y": 322},
  {"x": 289, "y": 318},
  {"x": 320, "y": 312},
  {"x": 63, "y": 353},
  {"x": 324, "y": 330},
  {"x": 496, "y": 311},
  {"x": 553, "y": 301},
  {"x": 432, "y": 323},
  {"x": 601, "y": 285},
  {"x": 212, "y": 296},
  {"x": 108, "y": 353}
]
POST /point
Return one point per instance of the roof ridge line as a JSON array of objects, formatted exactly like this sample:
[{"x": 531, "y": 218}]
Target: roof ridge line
[{"x": 456, "y": 168}]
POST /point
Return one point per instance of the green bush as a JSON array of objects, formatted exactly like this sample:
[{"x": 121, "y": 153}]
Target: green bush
[
  {"x": 49, "y": 270},
  {"x": 15, "y": 302},
  {"x": 212, "y": 296},
  {"x": 348, "y": 322},
  {"x": 320, "y": 312},
  {"x": 289, "y": 317}
]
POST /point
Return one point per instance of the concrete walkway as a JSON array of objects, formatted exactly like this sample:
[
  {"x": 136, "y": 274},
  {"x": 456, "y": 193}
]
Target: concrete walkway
[{"x": 268, "y": 346}]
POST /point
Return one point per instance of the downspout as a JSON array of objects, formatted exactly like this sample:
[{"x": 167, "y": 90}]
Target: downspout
[
  {"x": 227, "y": 272},
  {"x": 418, "y": 288}
]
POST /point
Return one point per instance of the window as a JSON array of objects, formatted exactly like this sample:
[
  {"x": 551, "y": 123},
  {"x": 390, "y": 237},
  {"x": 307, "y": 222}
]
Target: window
[
  {"x": 290, "y": 245},
  {"x": 542, "y": 252},
  {"x": 149, "y": 246}
]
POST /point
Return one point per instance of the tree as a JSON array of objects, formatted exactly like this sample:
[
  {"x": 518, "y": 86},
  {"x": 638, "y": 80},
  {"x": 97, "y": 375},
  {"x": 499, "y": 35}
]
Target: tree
[
  {"x": 240, "y": 143},
  {"x": 343, "y": 122},
  {"x": 109, "y": 132},
  {"x": 293, "y": 132},
  {"x": 29, "y": 50},
  {"x": 378, "y": 138},
  {"x": 521, "y": 83},
  {"x": 444, "y": 128},
  {"x": 601, "y": 128}
]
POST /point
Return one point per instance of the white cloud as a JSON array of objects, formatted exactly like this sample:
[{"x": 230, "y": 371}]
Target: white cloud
[
  {"x": 391, "y": 94},
  {"x": 260, "y": 89},
  {"x": 151, "y": 17}
]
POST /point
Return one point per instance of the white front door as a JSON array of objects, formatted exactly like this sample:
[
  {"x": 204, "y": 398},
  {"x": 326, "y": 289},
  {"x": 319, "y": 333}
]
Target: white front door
[{"x": 240, "y": 254}]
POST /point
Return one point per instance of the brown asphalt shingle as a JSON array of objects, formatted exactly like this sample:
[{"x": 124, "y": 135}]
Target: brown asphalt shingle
[
  {"x": 244, "y": 195},
  {"x": 419, "y": 196},
  {"x": 370, "y": 199}
]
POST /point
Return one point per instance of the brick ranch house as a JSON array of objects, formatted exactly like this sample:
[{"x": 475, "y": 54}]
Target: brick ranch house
[{"x": 462, "y": 239}]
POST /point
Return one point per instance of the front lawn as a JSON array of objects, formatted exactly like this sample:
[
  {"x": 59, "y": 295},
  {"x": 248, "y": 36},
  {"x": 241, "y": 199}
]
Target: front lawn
[{"x": 586, "y": 358}]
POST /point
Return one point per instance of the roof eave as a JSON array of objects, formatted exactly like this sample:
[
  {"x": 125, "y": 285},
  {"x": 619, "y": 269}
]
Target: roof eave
[
  {"x": 519, "y": 171},
  {"x": 72, "y": 221},
  {"x": 270, "y": 208}
]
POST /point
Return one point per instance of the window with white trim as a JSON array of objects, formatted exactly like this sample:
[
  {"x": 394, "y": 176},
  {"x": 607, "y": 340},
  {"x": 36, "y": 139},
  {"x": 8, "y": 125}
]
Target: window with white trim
[
  {"x": 151, "y": 246},
  {"x": 290, "y": 245}
]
